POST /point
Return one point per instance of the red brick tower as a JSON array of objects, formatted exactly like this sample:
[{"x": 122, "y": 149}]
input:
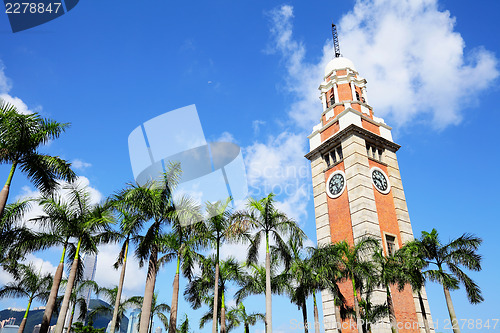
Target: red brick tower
[{"x": 357, "y": 185}]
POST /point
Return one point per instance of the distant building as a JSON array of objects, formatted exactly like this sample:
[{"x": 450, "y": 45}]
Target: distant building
[
  {"x": 89, "y": 264},
  {"x": 133, "y": 321},
  {"x": 9, "y": 321},
  {"x": 36, "y": 329},
  {"x": 108, "y": 328},
  {"x": 158, "y": 330},
  {"x": 9, "y": 329}
]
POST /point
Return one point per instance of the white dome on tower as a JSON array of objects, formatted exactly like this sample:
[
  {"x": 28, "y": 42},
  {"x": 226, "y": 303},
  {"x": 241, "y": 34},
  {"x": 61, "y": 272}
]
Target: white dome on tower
[{"x": 339, "y": 63}]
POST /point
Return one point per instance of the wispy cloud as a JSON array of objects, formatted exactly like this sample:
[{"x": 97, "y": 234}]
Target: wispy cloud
[
  {"x": 5, "y": 87},
  {"x": 416, "y": 64},
  {"x": 302, "y": 78},
  {"x": 417, "y": 70},
  {"x": 79, "y": 164},
  {"x": 256, "y": 125}
]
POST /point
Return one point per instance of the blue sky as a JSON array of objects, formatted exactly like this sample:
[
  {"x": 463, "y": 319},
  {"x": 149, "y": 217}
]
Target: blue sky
[{"x": 252, "y": 69}]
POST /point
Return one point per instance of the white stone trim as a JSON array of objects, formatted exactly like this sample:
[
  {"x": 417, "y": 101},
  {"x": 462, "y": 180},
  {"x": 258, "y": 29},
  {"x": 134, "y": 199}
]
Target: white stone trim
[
  {"x": 349, "y": 118},
  {"x": 385, "y": 133},
  {"x": 353, "y": 91},
  {"x": 335, "y": 93},
  {"x": 314, "y": 141},
  {"x": 331, "y": 195},
  {"x": 329, "y": 114},
  {"x": 388, "y": 189},
  {"x": 325, "y": 86}
]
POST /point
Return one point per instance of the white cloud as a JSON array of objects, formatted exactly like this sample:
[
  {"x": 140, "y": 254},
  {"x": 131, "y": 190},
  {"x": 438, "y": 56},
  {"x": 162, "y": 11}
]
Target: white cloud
[
  {"x": 41, "y": 266},
  {"x": 302, "y": 78},
  {"x": 17, "y": 102},
  {"x": 226, "y": 137},
  {"x": 256, "y": 125},
  {"x": 79, "y": 164},
  {"x": 36, "y": 210},
  {"x": 416, "y": 70},
  {"x": 107, "y": 276},
  {"x": 415, "y": 63},
  {"x": 5, "y": 82},
  {"x": 418, "y": 63},
  {"x": 279, "y": 166},
  {"x": 5, "y": 87}
]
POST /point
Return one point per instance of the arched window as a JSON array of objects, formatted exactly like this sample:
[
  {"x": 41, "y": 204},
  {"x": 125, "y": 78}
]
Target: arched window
[
  {"x": 357, "y": 96},
  {"x": 332, "y": 98}
]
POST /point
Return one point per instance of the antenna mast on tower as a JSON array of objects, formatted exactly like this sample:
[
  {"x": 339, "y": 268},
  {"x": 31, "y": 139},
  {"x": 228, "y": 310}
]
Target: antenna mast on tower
[{"x": 336, "y": 46}]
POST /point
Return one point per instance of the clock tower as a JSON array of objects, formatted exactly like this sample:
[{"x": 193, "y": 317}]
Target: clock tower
[{"x": 357, "y": 187}]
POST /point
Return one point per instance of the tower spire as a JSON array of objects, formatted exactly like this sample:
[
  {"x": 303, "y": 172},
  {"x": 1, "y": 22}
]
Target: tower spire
[{"x": 336, "y": 46}]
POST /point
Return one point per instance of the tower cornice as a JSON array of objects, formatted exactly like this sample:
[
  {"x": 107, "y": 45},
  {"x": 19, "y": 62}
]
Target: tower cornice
[
  {"x": 349, "y": 77},
  {"x": 333, "y": 141}
]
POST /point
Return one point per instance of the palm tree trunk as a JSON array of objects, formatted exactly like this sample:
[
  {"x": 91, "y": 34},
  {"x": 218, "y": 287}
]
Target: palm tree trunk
[
  {"x": 172, "y": 325},
  {"x": 67, "y": 294},
  {"x": 247, "y": 328},
  {"x": 112, "y": 328},
  {"x": 222, "y": 315},
  {"x": 51, "y": 303},
  {"x": 338, "y": 318},
  {"x": 451, "y": 311},
  {"x": 269, "y": 316},
  {"x": 392, "y": 313},
  {"x": 316, "y": 315},
  {"x": 4, "y": 194},
  {"x": 70, "y": 322},
  {"x": 424, "y": 313},
  {"x": 356, "y": 307},
  {"x": 25, "y": 319},
  {"x": 149, "y": 291},
  {"x": 304, "y": 315},
  {"x": 216, "y": 293}
]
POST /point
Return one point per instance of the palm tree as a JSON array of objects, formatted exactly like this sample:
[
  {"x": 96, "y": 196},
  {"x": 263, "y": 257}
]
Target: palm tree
[
  {"x": 29, "y": 284},
  {"x": 456, "y": 253},
  {"x": 157, "y": 309},
  {"x": 184, "y": 326},
  {"x": 59, "y": 219},
  {"x": 20, "y": 137},
  {"x": 263, "y": 219},
  {"x": 216, "y": 234},
  {"x": 111, "y": 295},
  {"x": 77, "y": 299},
  {"x": 412, "y": 262},
  {"x": 90, "y": 228},
  {"x": 353, "y": 264},
  {"x": 297, "y": 278},
  {"x": 388, "y": 273},
  {"x": 371, "y": 313},
  {"x": 130, "y": 225},
  {"x": 199, "y": 289},
  {"x": 181, "y": 244},
  {"x": 307, "y": 273},
  {"x": 326, "y": 274},
  {"x": 253, "y": 281},
  {"x": 155, "y": 202},
  {"x": 16, "y": 239},
  {"x": 78, "y": 327},
  {"x": 238, "y": 315}
]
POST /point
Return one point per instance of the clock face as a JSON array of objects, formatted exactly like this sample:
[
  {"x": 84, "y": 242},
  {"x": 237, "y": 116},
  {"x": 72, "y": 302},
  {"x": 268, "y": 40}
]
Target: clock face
[
  {"x": 336, "y": 184},
  {"x": 380, "y": 180}
]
